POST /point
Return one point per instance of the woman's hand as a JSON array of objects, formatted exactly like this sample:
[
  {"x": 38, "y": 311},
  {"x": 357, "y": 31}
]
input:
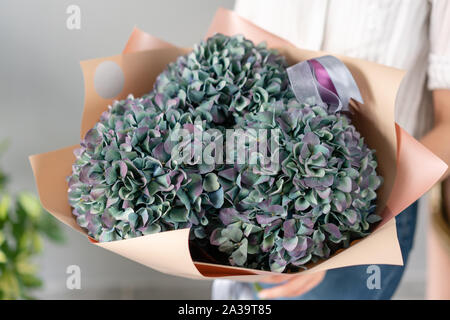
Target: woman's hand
[
  {"x": 438, "y": 139},
  {"x": 290, "y": 286}
]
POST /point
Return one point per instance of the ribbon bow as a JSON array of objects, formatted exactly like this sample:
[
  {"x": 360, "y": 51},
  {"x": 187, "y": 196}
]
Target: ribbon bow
[{"x": 324, "y": 80}]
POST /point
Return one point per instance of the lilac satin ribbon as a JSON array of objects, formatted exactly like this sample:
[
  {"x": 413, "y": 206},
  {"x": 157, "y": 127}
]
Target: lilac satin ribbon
[
  {"x": 322, "y": 76},
  {"x": 324, "y": 80}
]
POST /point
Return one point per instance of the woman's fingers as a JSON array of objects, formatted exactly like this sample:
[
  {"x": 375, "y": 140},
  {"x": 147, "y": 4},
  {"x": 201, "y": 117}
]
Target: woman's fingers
[
  {"x": 282, "y": 290},
  {"x": 276, "y": 278},
  {"x": 310, "y": 284},
  {"x": 293, "y": 287}
]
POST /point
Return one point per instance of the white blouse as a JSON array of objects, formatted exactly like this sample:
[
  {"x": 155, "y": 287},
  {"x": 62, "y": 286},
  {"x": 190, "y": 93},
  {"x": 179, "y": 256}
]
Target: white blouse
[{"x": 413, "y": 35}]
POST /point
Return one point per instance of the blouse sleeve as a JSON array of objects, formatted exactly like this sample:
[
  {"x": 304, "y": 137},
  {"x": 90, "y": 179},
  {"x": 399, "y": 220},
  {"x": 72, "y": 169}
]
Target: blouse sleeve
[
  {"x": 439, "y": 58},
  {"x": 246, "y": 8}
]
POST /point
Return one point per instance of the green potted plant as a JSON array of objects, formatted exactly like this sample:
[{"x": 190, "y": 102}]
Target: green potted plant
[{"x": 23, "y": 224}]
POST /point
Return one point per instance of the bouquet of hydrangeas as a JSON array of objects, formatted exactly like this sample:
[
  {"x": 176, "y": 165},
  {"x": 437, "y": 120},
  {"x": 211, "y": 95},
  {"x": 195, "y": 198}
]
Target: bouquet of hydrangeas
[
  {"x": 259, "y": 164},
  {"x": 125, "y": 182}
]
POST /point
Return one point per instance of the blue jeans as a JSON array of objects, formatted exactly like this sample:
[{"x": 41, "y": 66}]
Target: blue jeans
[{"x": 351, "y": 282}]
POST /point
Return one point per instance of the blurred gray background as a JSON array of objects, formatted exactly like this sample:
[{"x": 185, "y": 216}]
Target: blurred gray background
[{"x": 41, "y": 100}]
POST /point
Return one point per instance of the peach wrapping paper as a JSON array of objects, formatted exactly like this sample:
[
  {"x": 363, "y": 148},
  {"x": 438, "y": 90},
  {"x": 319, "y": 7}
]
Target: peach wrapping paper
[{"x": 408, "y": 168}]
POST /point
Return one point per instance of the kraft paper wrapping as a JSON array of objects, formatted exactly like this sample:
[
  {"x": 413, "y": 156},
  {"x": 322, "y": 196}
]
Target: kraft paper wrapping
[{"x": 399, "y": 155}]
